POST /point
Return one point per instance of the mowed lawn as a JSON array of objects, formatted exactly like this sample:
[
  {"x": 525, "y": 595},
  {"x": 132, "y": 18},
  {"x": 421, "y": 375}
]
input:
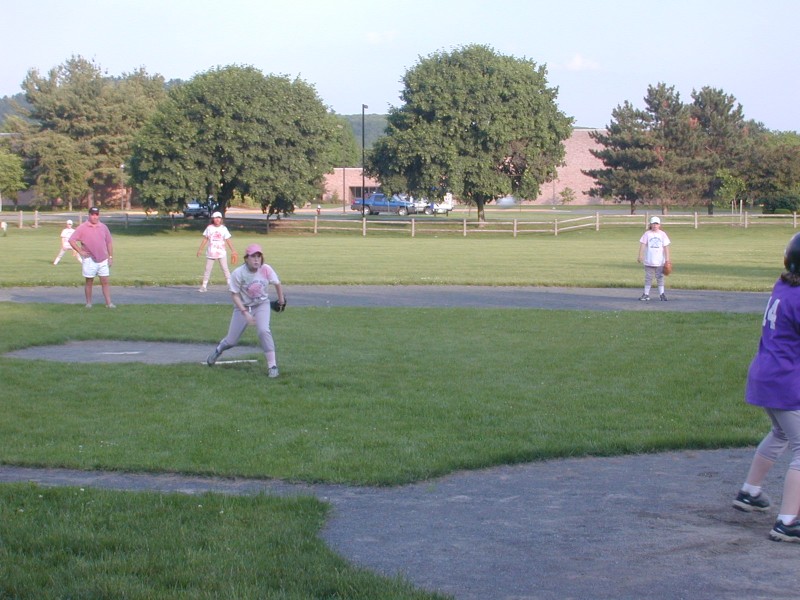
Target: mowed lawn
[
  {"x": 366, "y": 396},
  {"x": 719, "y": 257}
]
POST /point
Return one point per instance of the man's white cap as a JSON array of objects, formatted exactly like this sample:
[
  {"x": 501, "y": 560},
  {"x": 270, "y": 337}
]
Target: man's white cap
[
  {"x": 654, "y": 220},
  {"x": 69, "y": 221},
  {"x": 216, "y": 214}
]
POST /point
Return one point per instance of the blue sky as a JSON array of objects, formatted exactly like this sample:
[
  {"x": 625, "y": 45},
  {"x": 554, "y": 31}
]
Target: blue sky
[{"x": 599, "y": 53}]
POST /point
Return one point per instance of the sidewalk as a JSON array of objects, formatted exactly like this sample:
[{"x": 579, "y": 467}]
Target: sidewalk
[{"x": 560, "y": 298}]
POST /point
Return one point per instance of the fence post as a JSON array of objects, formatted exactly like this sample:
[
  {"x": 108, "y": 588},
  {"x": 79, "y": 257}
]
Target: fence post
[
  {"x": 555, "y": 227},
  {"x": 465, "y": 228},
  {"x": 20, "y": 219},
  {"x": 794, "y": 220},
  {"x": 515, "y": 228},
  {"x": 746, "y": 215},
  {"x": 413, "y": 227},
  {"x": 364, "y": 227},
  {"x": 126, "y": 220},
  {"x": 597, "y": 221},
  {"x": 316, "y": 218},
  {"x": 36, "y": 219},
  {"x": 696, "y": 221}
]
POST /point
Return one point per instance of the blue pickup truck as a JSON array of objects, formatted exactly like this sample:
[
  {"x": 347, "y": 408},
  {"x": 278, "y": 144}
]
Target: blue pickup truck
[{"x": 381, "y": 203}]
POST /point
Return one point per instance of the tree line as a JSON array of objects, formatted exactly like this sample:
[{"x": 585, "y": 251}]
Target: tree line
[
  {"x": 705, "y": 151},
  {"x": 472, "y": 122}
]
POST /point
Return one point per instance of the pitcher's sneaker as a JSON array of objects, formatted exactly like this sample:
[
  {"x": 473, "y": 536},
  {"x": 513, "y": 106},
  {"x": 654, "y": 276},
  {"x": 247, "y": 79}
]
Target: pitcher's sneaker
[
  {"x": 644, "y": 298},
  {"x": 748, "y": 503},
  {"x": 785, "y": 533},
  {"x": 212, "y": 358},
  {"x": 272, "y": 372}
]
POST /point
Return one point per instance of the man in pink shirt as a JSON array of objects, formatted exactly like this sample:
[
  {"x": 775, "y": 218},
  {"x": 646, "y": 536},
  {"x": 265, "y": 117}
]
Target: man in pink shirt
[{"x": 92, "y": 241}]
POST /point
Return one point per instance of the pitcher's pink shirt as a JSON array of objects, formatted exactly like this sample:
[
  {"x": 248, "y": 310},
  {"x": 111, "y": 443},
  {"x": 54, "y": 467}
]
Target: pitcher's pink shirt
[{"x": 94, "y": 238}]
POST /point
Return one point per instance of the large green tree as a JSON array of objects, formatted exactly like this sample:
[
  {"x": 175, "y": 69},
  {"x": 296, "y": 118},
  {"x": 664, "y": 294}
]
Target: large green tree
[
  {"x": 475, "y": 123},
  {"x": 11, "y": 175},
  {"x": 771, "y": 169},
  {"x": 83, "y": 125},
  {"x": 234, "y": 130}
]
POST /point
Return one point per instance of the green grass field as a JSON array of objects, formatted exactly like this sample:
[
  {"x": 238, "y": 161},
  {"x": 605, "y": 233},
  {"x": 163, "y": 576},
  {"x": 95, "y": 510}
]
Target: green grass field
[
  {"x": 722, "y": 258},
  {"x": 366, "y": 396}
]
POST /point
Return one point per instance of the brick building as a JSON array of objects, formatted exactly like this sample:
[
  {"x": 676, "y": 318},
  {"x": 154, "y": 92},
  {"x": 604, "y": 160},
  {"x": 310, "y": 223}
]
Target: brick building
[
  {"x": 346, "y": 182},
  {"x": 576, "y": 159}
]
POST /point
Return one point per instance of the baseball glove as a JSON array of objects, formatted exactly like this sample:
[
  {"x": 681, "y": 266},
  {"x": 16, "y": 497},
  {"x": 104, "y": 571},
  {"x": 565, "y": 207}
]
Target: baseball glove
[
  {"x": 278, "y": 306},
  {"x": 667, "y": 268}
]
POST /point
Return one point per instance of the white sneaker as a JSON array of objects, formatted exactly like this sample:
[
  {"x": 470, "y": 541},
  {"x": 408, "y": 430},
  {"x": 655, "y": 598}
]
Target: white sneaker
[
  {"x": 202, "y": 289},
  {"x": 272, "y": 372},
  {"x": 111, "y": 305},
  {"x": 88, "y": 306}
]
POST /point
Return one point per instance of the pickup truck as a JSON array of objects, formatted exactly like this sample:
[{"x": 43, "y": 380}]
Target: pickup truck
[
  {"x": 378, "y": 203},
  {"x": 199, "y": 209}
]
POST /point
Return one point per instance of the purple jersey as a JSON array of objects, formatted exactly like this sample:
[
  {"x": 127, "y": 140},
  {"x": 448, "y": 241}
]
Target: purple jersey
[{"x": 773, "y": 380}]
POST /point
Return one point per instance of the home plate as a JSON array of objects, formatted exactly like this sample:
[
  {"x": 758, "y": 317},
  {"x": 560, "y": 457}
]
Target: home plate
[{"x": 116, "y": 351}]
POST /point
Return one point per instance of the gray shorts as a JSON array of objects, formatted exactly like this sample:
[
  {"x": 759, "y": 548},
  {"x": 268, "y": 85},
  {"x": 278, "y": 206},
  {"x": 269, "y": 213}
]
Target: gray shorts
[{"x": 785, "y": 433}]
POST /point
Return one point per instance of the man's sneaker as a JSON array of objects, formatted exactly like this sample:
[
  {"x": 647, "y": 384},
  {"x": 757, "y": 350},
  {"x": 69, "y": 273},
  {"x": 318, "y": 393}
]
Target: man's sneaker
[
  {"x": 272, "y": 372},
  {"x": 748, "y": 503},
  {"x": 212, "y": 358},
  {"x": 663, "y": 297},
  {"x": 644, "y": 298},
  {"x": 111, "y": 305},
  {"x": 785, "y": 533}
]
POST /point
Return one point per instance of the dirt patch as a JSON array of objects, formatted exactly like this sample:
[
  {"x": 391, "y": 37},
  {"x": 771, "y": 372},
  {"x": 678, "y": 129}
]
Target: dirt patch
[{"x": 110, "y": 351}]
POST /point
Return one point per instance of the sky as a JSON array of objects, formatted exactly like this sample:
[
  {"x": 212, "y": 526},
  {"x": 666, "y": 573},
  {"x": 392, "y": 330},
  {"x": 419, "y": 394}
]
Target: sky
[{"x": 598, "y": 53}]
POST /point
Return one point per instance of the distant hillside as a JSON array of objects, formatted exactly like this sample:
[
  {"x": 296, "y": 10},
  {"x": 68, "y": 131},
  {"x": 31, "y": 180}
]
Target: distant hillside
[
  {"x": 7, "y": 105},
  {"x": 374, "y": 127}
]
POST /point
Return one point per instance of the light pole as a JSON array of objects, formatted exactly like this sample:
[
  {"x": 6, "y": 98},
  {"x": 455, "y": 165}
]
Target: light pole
[
  {"x": 122, "y": 186},
  {"x": 363, "y": 185},
  {"x": 344, "y": 163}
]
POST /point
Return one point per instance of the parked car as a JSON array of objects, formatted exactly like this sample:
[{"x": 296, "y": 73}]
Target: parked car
[
  {"x": 380, "y": 203},
  {"x": 200, "y": 210},
  {"x": 423, "y": 205}
]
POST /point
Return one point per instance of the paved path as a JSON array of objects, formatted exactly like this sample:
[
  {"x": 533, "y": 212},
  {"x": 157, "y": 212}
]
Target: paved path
[
  {"x": 653, "y": 526},
  {"x": 421, "y": 296}
]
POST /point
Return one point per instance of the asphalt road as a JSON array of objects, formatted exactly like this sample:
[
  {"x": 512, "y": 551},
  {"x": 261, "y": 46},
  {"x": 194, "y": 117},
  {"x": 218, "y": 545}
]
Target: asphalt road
[
  {"x": 654, "y": 526},
  {"x": 421, "y": 296}
]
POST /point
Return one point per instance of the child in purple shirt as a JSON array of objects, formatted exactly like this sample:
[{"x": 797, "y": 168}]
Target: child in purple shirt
[{"x": 773, "y": 383}]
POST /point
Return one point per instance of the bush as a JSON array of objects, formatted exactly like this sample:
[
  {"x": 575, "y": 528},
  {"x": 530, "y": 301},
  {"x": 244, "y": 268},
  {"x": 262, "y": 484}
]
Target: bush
[{"x": 784, "y": 204}]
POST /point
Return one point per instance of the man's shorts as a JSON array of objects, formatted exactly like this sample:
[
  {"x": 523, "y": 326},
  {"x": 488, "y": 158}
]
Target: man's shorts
[{"x": 91, "y": 269}]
